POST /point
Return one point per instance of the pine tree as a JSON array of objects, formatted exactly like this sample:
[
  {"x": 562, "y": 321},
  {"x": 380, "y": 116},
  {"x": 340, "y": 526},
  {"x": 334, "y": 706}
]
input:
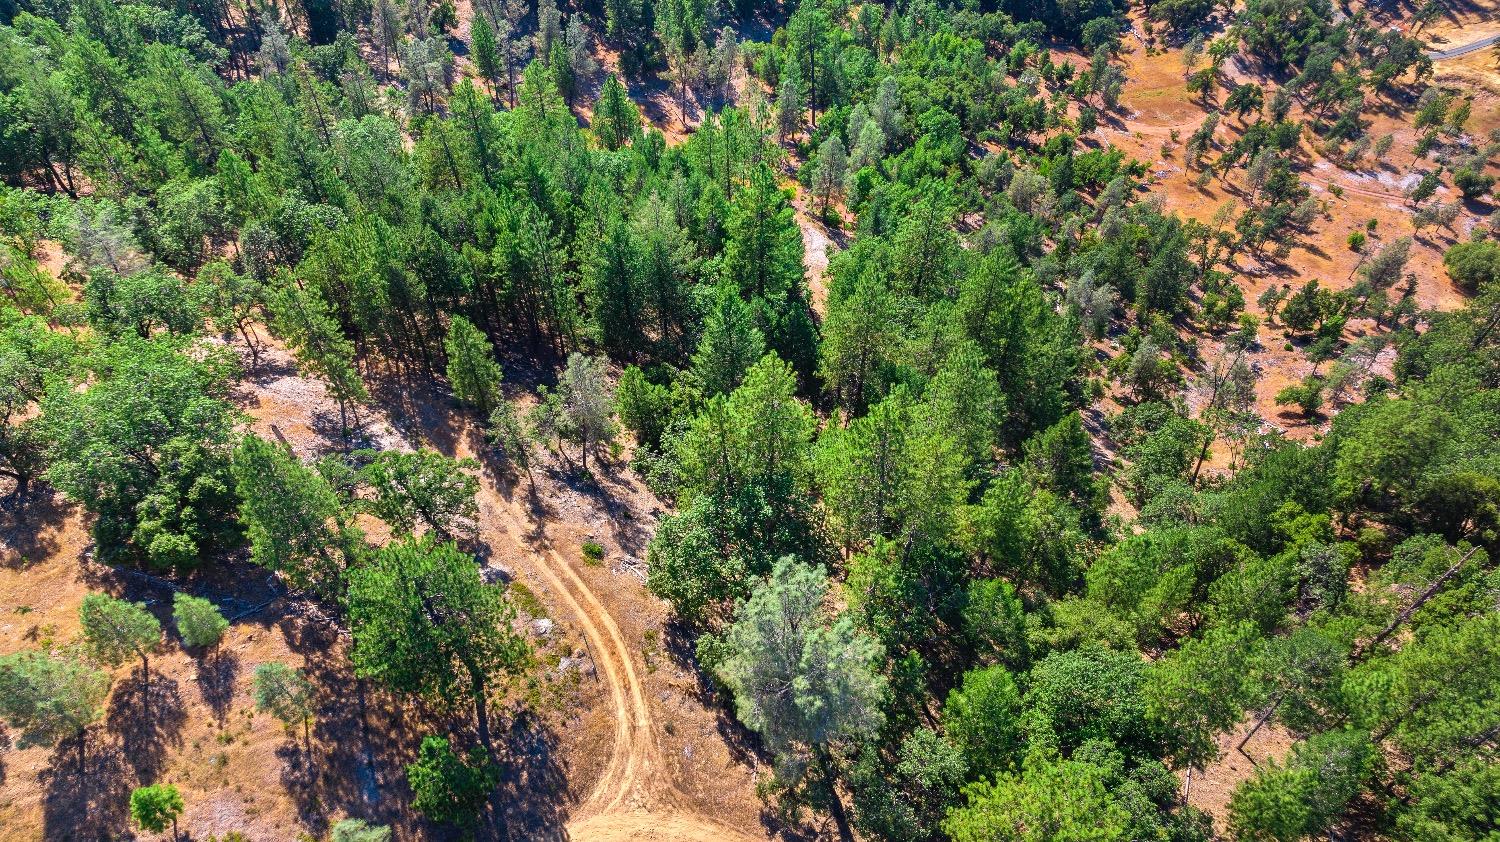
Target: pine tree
[
  {"x": 306, "y": 323},
  {"x": 472, "y": 371},
  {"x": 505, "y": 431},
  {"x": 828, "y": 179},
  {"x": 789, "y": 104},
  {"x": 295, "y": 523},
  {"x": 617, "y": 121},
  {"x": 198, "y": 621},
  {"x": 47, "y": 697},
  {"x": 801, "y": 680},
  {"x": 730, "y": 345},
  {"x": 487, "y": 53},
  {"x": 425, "y": 623},
  {"x": 114, "y": 631},
  {"x": 587, "y": 403},
  {"x": 285, "y": 693}
]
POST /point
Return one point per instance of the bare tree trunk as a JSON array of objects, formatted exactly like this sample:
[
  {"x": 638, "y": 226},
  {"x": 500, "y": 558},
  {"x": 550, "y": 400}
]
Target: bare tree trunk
[
  {"x": 1412, "y": 609},
  {"x": 1259, "y": 723}
]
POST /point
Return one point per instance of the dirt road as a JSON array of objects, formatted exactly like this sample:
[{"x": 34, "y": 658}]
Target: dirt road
[
  {"x": 1441, "y": 55},
  {"x": 636, "y": 795}
]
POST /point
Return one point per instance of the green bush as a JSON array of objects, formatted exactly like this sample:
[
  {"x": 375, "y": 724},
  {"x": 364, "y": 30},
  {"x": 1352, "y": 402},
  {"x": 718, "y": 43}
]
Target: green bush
[
  {"x": 593, "y": 553},
  {"x": 1473, "y": 264}
]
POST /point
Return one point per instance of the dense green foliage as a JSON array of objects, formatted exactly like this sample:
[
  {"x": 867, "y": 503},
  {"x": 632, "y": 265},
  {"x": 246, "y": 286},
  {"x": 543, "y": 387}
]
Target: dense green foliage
[
  {"x": 156, "y": 807},
  {"x": 930, "y": 570},
  {"x": 46, "y": 698},
  {"x": 198, "y": 621}
]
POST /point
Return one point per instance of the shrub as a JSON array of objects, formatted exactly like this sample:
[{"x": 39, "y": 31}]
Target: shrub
[
  {"x": 593, "y": 553},
  {"x": 197, "y": 620},
  {"x": 1473, "y": 264}
]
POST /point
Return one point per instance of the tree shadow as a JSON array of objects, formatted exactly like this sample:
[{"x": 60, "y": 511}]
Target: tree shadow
[
  {"x": 147, "y": 716},
  {"x": 91, "y": 802},
  {"x": 358, "y": 737},
  {"x": 300, "y": 775},
  {"x": 743, "y": 745},
  {"x": 533, "y": 795},
  {"x": 217, "y": 671},
  {"x": 29, "y": 526},
  {"x": 607, "y": 488}
]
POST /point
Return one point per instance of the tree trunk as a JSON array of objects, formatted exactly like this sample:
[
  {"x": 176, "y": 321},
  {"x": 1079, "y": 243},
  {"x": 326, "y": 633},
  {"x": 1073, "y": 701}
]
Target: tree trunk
[
  {"x": 1412, "y": 609},
  {"x": 840, "y": 818},
  {"x": 1259, "y": 723},
  {"x": 145, "y": 685},
  {"x": 482, "y": 713}
]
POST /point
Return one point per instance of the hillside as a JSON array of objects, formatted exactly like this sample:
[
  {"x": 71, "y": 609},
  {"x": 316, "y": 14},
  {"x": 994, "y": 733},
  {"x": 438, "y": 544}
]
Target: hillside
[{"x": 803, "y": 421}]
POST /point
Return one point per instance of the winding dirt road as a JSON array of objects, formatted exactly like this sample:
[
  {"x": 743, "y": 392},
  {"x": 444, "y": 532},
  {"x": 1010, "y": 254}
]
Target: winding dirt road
[{"x": 636, "y": 795}]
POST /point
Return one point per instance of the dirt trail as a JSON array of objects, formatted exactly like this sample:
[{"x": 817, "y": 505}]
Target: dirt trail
[{"x": 635, "y": 796}]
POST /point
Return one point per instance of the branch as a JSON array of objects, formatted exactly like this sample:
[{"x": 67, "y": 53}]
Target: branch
[{"x": 1421, "y": 600}]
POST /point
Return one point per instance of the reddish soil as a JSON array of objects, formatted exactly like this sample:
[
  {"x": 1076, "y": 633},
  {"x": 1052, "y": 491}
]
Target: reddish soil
[
  {"x": 612, "y": 733},
  {"x": 1156, "y": 105}
]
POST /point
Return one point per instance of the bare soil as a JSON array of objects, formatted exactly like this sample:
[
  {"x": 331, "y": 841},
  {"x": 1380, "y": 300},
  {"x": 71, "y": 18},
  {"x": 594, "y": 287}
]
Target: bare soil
[
  {"x": 1211, "y": 789},
  {"x": 612, "y": 733},
  {"x": 1156, "y": 106}
]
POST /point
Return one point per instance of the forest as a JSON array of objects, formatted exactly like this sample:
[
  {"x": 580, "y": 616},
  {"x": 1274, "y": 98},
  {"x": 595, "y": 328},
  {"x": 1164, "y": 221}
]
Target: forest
[{"x": 1039, "y": 502}]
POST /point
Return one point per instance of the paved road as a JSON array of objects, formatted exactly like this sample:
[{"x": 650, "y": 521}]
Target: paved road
[{"x": 1439, "y": 55}]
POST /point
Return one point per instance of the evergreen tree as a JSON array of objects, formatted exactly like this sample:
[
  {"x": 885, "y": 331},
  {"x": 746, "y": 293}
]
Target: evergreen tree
[
  {"x": 587, "y": 403},
  {"x": 763, "y": 259},
  {"x": 472, "y": 371},
  {"x": 731, "y": 343},
  {"x": 799, "y": 679},
  {"x": 296, "y": 525},
  {"x": 425, "y": 623},
  {"x": 48, "y": 697},
  {"x": 198, "y": 621},
  {"x": 505, "y": 432},
  {"x": 305, "y": 322},
  {"x": 486, "y": 52},
  {"x": 617, "y": 121},
  {"x": 156, "y": 807},
  {"x": 285, "y": 693},
  {"x": 115, "y": 631},
  {"x": 828, "y": 178}
]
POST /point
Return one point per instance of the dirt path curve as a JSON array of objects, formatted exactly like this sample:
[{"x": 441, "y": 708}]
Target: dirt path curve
[{"x": 635, "y": 796}]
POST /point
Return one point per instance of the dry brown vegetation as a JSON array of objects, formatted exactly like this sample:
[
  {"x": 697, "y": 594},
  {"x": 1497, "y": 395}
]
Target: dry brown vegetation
[
  {"x": 611, "y": 732},
  {"x": 614, "y": 733}
]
